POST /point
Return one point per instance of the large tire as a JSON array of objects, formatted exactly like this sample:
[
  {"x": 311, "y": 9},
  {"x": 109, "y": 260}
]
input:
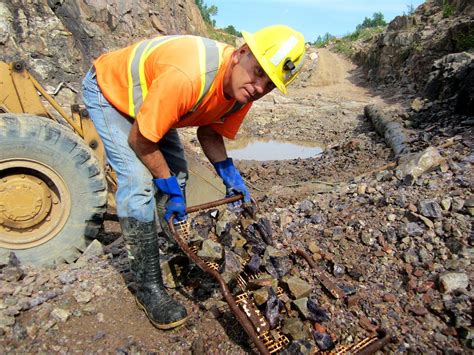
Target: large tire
[{"x": 53, "y": 191}]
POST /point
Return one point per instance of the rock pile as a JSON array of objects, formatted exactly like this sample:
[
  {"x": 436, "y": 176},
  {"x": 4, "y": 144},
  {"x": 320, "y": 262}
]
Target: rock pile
[{"x": 269, "y": 275}]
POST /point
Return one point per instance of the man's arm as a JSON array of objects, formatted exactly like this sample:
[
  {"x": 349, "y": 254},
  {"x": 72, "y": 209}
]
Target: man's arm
[
  {"x": 212, "y": 144},
  {"x": 149, "y": 153}
]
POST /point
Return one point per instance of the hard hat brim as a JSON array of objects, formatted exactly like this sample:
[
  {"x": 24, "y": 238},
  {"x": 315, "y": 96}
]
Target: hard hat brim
[{"x": 267, "y": 67}]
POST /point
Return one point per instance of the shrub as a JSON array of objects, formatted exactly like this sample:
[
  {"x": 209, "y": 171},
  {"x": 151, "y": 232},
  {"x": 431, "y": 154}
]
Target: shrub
[
  {"x": 448, "y": 9},
  {"x": 207, "y": 12},
  {"x": 232, "y": 31},
  {"x": 465, "y": 42},
  {"x": 376, "y": 21},
  {"x": 324, "y": 40}
]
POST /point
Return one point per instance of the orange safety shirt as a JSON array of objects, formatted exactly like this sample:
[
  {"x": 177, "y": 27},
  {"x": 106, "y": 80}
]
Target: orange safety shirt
[{"x": 162, "y": 83}]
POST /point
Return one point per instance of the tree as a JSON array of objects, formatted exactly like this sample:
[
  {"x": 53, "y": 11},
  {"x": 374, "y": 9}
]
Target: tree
[
  {"x": 411, "y": 10},
  {"x": 324, "y": 40},
  {"x": 376, "y": 20},
  {"x": 231, "y": 30},
  {"x": 207, "y": 12}
]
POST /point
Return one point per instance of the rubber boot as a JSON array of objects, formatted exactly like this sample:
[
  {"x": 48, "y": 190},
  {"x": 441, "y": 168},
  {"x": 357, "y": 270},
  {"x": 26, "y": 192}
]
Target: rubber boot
[{"x": 142, "y": 245}]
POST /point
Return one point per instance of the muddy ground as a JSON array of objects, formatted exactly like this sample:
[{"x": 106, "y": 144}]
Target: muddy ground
[{"x": 410, "y": 266}]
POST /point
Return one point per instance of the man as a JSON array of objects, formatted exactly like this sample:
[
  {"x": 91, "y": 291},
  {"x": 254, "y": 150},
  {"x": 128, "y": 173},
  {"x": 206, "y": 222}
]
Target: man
[{"x": 137, "y": 97}]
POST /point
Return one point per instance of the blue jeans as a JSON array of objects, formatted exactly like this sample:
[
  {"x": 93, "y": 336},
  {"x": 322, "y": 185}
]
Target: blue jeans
[{"x": 135, "y": 196}]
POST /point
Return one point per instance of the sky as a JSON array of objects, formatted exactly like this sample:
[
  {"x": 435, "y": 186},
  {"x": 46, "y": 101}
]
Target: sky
[{"x": 311, "y": 17}]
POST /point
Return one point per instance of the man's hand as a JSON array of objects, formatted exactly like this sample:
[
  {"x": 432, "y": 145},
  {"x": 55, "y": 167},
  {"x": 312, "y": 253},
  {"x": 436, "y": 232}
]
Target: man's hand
[
  {"x": 175, "y": 204},
  {"x": 232, "y": 180}
]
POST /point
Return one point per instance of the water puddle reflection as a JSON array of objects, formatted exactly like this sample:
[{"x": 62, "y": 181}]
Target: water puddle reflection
[{"x": 255, "y": 149}]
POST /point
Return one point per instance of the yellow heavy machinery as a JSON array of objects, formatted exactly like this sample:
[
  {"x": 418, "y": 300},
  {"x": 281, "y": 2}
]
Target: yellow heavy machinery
[{"x": 53, "y": 174}]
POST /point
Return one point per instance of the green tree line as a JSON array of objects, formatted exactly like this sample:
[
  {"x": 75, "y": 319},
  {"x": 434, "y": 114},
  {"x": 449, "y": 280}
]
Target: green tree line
[
  {"x": 208, "y": 11},
  {"x": 376, "y": 20}
]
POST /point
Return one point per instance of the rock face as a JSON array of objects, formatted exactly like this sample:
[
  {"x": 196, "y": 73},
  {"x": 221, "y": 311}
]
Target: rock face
[
  {"x": 427, "y": 51},
  {"x": 452, "y": 74},
  {"x": 59, "y": 39}
]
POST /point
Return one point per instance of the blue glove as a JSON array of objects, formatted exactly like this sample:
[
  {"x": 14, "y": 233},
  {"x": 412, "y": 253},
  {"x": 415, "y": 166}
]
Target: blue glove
[
  {"x": 175, "y": 204},
  {"x": 232, "y": 180}
]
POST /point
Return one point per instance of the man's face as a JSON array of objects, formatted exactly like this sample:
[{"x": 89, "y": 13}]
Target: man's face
[{"x": 248, "y": 81}]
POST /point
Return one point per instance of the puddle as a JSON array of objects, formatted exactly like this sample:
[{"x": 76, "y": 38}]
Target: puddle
[{"x": 252, "y": 149}]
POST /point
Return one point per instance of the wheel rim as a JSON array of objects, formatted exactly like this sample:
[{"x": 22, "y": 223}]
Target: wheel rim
[{"x": 34, "y": 203}]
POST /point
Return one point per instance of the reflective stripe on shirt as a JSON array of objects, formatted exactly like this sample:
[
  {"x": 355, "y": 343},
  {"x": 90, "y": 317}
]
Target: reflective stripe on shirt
[{"x": 209, "y": 62}]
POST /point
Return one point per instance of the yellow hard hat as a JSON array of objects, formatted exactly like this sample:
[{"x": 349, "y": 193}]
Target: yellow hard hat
[{"x": 280, "y": 50}]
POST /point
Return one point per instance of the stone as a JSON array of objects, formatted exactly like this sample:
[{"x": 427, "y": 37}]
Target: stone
[
  {"x": 8, "y": 301},
  {"x": 417, "y": 104},
  {"x": 294, "y": 327},
  {"x": 313, "y": 247},
  {"x": 6, "y": 320},
  {"x": 457, "y": 204},
  {"x": 222, "y": 226},
  {"x": 298, "y": 288},
  {"x": 413, "y": 229},
  {"x": 315, "y": 313},
  {"x": 6, "y": 21},
  {"x": 284, "y": 219},
  {"x": 323, "y": 340},
  {"x": 410, "y": 256},
  {"x": 469, "y": 204},
  {"x": 317, "y": 218},
  {"x": 254, "y": 264},
  {"x": 32, "y": 330},
  {"x": 352, "y": 301},
  {"x": 238, "y": 241},
  {"x": 366, "y": 324},
  {"x": 470, "y": 211},
  {"x": 302, "y": 306},
  {"x": 232, "y": 265},
  {"x": 430, "y": 208},
  {"x": 419, "y": 163},
  {"x": 338, "y": 270},
  {"x": 418, "y": 310},
  {"x": 262, "y": 280},
  {"x": 367, "y": 238},
  {"x": 305, "y": 206},
  {"x": 100, "y": 317},
  {"x": 362, "y": 188},
  {"x": 446, "y": 203},
  {"x": 12, "y": 274},
  {"x": 210, "y": 251},
  {"x": 302, "y": 346},
  {"x": 277, "y": 263},
  {"x": 272, "y": 309},
  {"x": 60, "y": 314},
  {"x": 388, "y": 297},
  {"x": 172, "y": 270},
  {"x": 83, "y": 296},
  {"x": 452, "y": 281},
  {"x": 425, "y": 220},
  {"x": 67, "y": 277},
  {"x": 260, "y": 295},
  {"x": 95, "y": 249}
]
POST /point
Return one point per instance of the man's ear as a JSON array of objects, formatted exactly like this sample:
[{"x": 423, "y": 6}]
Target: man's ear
[{"x": 239, "y": 52}]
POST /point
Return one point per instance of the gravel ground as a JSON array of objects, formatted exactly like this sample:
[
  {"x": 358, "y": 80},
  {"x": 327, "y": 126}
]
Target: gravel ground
[{"x": 401, "y": 245}]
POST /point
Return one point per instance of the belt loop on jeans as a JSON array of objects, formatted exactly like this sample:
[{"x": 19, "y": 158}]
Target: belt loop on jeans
[{"x": 92, "y": 71}]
